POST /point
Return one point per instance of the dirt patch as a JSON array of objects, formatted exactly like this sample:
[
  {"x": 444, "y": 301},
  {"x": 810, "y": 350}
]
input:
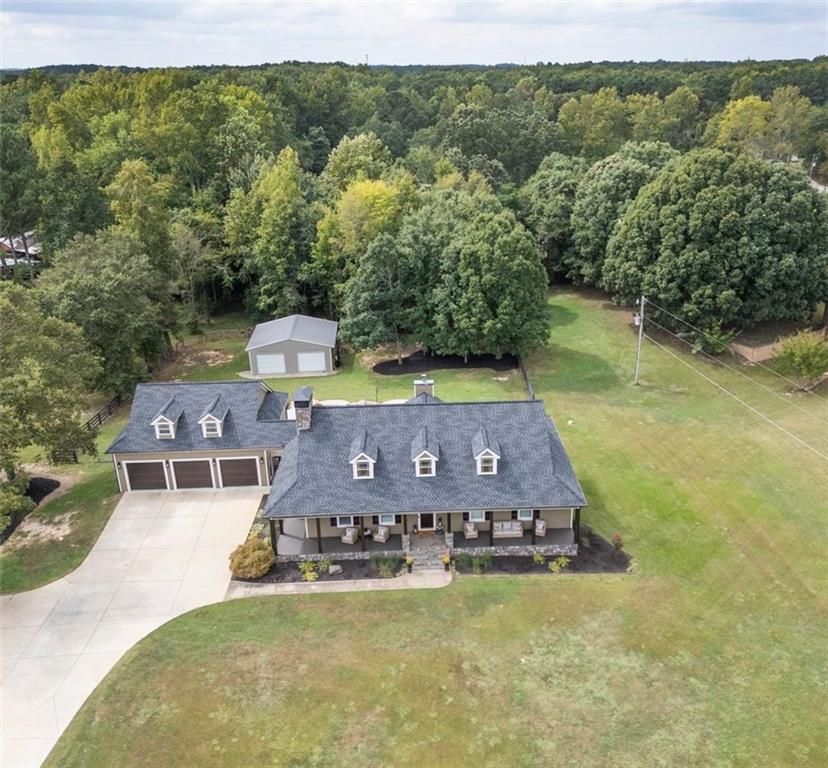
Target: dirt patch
[
  {"x": 418, "y": 362},
  {"x": 596, "y": 555},
  {"x": 384, "y": 352},
  {"x": 46, "y": 475},
  {"x": 209, "y": 357},
  {"x": 34, "y": 531}
]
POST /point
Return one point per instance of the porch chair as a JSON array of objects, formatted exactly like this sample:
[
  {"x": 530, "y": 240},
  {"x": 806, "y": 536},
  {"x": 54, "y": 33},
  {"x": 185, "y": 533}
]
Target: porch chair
[
  {"x": 381, "y": 534},
  {"x": 470, "y": 531},
  {"x": 540, "y": 527},
  {"x": 350, "y": 536}
]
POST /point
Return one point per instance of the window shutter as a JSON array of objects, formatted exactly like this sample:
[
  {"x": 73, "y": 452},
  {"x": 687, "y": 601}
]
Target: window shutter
[
  {"x": 465, "y": 517},
  {"x": 514, "y": 514},
  {"x": 333, "y": 522},
  {"x": 375, "y": 520}
]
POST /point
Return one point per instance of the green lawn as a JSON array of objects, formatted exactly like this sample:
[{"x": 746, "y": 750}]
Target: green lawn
[
  {"x": 713, "y": 656},
  {"x": 28, "y": 561}
]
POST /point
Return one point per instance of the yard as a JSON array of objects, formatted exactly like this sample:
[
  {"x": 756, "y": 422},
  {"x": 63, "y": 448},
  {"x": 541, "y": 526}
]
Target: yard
[{"x": 713, "y": 655}]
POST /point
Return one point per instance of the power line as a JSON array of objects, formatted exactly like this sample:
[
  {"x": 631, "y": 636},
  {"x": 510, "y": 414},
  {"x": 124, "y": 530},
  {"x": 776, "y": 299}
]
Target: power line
[
  {"x": 739, "y": 399},
  {"x": 743, "y": 375},
  {"x": 708, "y": 336}
]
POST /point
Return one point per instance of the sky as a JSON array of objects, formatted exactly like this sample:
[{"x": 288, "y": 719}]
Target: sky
[{"x": 153, "y": 33}]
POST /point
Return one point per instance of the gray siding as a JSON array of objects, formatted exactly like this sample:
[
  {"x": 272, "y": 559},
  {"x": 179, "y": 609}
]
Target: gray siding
[{"x": 290, "y": 349}]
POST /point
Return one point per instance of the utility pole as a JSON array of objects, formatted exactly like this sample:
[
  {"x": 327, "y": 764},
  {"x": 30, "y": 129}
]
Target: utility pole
[{"x": 639, "y": 321}]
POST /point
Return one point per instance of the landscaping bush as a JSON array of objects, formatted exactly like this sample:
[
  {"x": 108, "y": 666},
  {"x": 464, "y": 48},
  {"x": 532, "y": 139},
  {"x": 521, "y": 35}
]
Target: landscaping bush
[
  {"x": 475, "y": 563},
  {"x": 308, "y": 570},
  {"x": 253, "y": 559},
  {"x": 386, "y": 565},
  {"x": 538, "y": 558},
  {"x": 558, "y": 564},
  {"x": 804, "y": 357},
  {"x": 617, "y": 541}
]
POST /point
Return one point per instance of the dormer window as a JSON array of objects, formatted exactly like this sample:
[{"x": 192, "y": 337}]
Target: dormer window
[
  {"x": 486, "y": 452},
  {"x": 426, "y": 466},
  {"x": 363, "y": 455},
  {"x": 211, "y": 427},
  {"x": 487, "y": 464},
  {"x": 363, "y": 469},
  {"x": 164, "y": 430}
]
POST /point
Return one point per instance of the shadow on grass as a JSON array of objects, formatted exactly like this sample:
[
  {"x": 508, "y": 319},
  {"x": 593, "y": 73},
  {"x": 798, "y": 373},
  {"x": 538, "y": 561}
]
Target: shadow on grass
[
  {"x": 560, "y": 315},
  {"x": 564, "y": 369}
]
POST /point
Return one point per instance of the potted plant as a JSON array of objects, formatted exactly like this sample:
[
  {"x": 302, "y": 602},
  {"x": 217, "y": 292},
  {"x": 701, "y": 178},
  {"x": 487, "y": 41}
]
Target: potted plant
[
  {"x": 409, "y": 563},
  {"x": 446, "y": 561}
]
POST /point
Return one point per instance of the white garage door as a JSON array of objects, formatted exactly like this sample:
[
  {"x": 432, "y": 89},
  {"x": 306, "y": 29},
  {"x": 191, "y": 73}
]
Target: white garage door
[
  {"x": 311, "y": 361},
  {"x": 270, "y": 363}
]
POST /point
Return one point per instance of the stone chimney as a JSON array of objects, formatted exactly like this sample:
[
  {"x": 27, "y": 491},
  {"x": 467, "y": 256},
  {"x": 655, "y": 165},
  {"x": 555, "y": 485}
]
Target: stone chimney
[
  {"x": 423, "y": 385},
  {"x": 303, "y": 405}
]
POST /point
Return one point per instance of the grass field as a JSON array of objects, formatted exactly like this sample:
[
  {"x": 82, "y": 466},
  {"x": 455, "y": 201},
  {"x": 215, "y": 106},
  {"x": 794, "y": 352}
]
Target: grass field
[{"x": 714, "y": 655}]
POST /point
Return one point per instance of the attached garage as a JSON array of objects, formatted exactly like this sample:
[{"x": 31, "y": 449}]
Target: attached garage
[
  {"x": 192, "y": 474},
  {"x": 146, "y": 475},
  {"x": 239, "y": 472}
]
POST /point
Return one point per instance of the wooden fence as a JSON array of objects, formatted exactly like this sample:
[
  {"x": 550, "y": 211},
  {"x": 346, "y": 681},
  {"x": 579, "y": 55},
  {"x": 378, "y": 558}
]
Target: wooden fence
[{"x": 70, "y": 455}]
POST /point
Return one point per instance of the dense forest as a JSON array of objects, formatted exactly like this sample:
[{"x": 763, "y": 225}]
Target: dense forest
[{"x": 432, "y": 204}]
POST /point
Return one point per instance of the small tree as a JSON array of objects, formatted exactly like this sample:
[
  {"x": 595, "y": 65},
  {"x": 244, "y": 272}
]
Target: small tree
[
  {"x": 804, "y": 357},
  {"x": 252, "y": 559}
]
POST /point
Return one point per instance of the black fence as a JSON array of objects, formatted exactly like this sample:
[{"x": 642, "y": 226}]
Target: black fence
[{"x": 70, "y": 456}]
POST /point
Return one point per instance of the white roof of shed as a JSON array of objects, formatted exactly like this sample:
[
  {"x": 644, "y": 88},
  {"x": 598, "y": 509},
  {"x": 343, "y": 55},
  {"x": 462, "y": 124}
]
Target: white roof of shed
[{"x": 313, "y": 330}]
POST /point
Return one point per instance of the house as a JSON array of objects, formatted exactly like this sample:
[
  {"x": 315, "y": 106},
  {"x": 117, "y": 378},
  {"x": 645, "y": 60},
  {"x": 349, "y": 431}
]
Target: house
[
  {"x": 22, "y": 251},
  {"x": 351, "y": 481},
  {"x": 296, "y": 345}
]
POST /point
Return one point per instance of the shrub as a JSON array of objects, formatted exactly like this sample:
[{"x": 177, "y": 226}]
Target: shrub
[
  {"x": 804, "y": 357},
  {"x": 14, "y": 504},
  {"x": 308, "y": 570},
  {"x": 386, "y": 565},
  {"x": 325, "y": 564},
  {"x": 558, "y": 564},
  {"x": 538, "y": 558},
  {"x": 253, "y": 559},
  {"x": 475, "y": 563},
  {"x": 617, "y": 541},
  {"x": 634, "y": 567}
]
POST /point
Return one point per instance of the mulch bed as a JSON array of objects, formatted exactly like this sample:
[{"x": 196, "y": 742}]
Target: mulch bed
[
  {"x": 422, "y": 363},
  {"x": 597, "y": 555},
  {"x": 39, "y": 488},
  {"x": 286, "y": 573}
]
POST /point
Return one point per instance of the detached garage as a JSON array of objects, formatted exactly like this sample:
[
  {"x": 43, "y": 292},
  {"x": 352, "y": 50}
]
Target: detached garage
[{"x": 297, "y": 345}]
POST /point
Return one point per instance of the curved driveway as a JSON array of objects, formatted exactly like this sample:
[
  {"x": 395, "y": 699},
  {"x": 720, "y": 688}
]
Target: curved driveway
[{"x": 161, "y": 554}]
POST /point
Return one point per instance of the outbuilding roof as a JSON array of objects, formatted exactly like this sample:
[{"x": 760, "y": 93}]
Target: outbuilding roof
[
  {"x": 252, "y": 417},
  {"x": 311, "y": 330},
  {"x": 315, "y": 477}
]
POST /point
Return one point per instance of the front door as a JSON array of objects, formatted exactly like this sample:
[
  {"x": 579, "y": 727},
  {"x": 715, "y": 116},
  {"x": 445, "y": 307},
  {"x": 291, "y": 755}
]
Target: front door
[{"x": 426, "y": 521}]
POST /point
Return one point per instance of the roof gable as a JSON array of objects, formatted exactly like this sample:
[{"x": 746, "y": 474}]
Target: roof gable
[
  {"x": 484, "y": 444},
  {"x": 425, "y": 442},
  {"x": 303, "y": 328}
]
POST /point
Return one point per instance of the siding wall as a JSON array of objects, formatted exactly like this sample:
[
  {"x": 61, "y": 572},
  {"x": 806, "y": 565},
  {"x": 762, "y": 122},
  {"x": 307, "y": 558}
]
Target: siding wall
[{"x": 289, "y": 349}]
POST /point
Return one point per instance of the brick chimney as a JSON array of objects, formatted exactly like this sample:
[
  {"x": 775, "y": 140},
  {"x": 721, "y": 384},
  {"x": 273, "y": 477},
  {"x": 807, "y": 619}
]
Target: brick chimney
[
  {"x": 423, "y": 385},
  {"x": 303, "y": 405}
]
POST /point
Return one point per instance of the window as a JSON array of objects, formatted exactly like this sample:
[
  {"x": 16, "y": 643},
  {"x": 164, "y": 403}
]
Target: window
[
  {"x": 525, "y": 514},
  {"x": 345, "y": 521},
  {"x": 211, "y": 428},
  {"x": 477, "y": 516},
  {"x": 363, "y": 469},
  {"x": 164, "y": 430},
  {"x": 425, "y": 467},
  {"x": 387, "y": 519},
  {"x": 487, "y": 465}
]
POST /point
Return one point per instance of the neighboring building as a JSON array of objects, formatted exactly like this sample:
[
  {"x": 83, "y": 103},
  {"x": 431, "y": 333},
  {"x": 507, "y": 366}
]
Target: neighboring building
[
  {"x": 351, "y": 481},
  {"x": 21, "y": 252},
  {"x": 297, "y": 345}
]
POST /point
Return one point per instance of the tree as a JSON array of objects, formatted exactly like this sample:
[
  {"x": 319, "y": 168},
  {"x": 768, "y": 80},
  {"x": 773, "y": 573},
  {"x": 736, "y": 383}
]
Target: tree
[
  {"x": 19, "y": 189},
  {"x": 192, "y": 267},
  {"x": 595, "y": 125},
  {"x": 681, "y": 113},
  {"x": 283, "y": 235},
  {"x": 789, "y": 120},
  {"x": 138, "y": 204},
  {"x": 104, "y": 284},
  {"x": 803, "y": 356},
  {"x": 722, "y": 241},
  {"x": 379, "y": 297},
  {"x": 601, "y": 199},
  {"x": 361, "y": 156},
  {"x": 742, "y": 126},
  {"x": 492, "y": 292},
  {"x": 546, "y": 206},
  {"x": 46, "y": 371}
]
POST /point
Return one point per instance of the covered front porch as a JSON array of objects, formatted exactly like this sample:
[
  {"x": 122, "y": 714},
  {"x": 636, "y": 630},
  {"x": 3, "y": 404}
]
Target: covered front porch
[
  {"x": 553, "y": 537},
  {"x": 296, "y": 538}
]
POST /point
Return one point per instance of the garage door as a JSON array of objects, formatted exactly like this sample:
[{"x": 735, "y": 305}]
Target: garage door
[
  {"x": 239, "y": 472},
  {"x": 271, "y": 363},
  {"x": 312, "y": 361},
  {"x": 192, "y": 474},
  {"x": 146, "y": 476}
]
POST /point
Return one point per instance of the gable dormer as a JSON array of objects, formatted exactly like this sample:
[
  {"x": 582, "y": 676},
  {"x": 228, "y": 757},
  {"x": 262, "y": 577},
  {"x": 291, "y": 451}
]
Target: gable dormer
[
  {"x": 212, "y": 420},
  {"x": 166, "y": 420},
  {"x": 486, "y": 452},
  {"x": 363, "y": 455},
  {"x": 425, "y": 453}
]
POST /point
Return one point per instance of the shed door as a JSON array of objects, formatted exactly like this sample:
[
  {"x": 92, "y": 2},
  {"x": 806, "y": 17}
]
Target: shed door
[
  {"x": 192, "y": 474},
  {"x": 270, "y": 363},
  {"x": 146, "y": 475},
  {"x": 310, "y": 362},
  {"x": 236, "y": 472}
]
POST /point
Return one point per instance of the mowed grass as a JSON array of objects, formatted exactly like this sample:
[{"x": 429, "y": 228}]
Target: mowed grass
[
  {"x": 714, "y": 655},
  {"x": 71, "y": 522}
]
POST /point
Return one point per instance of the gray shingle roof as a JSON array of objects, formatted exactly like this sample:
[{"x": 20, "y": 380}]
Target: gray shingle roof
[
  {"x": 217, "y": 408},
  {"x": 425, "y": 441},
  {"x": 315, "y": 477},
  {"x": 170, "y": 410},
  {"x": 313, "y": 330},
  {"x": 252, "y": 418},
  {"x": 424, "y": 398},
  {"x": 482, "y": 441},
  {"x": 363, "y": 443}
]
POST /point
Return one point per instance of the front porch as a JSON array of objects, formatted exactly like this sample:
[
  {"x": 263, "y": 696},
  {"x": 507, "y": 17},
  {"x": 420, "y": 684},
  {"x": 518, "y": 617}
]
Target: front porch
[
  {"x": 293, "y": 544},
  {"x": 553, "y": 537}
]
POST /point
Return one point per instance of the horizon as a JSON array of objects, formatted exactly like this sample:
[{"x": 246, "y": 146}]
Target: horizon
[{"x": 445, "y": 33}]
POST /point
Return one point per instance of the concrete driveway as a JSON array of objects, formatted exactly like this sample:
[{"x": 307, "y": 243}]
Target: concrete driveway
[{"x": 161, "y": 554}]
